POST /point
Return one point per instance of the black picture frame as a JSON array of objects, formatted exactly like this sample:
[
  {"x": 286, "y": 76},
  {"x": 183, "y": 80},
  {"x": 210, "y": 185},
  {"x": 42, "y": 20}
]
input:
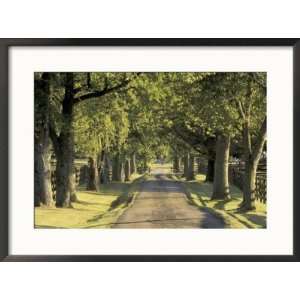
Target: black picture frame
[{"x": 5, "y": 44}]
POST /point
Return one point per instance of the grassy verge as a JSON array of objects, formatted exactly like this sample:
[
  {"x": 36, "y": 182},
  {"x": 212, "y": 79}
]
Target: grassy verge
[
  {"x": 93, "y": 209},
  {"x": 165, "y": 166},
  {"x": 199, "y": 193}
]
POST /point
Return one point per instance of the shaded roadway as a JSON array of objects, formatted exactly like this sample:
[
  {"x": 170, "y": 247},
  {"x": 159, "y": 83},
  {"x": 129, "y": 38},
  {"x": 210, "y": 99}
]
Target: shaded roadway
[{"x": 162, "y": 203}]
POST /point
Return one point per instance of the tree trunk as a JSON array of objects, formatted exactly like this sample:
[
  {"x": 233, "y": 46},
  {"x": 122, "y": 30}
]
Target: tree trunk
[
  {"x": 211, "y": 155},
  {"x": 121, "y": 171},
  {"x": 115, "y": 168},
  {"x": 221, "y": 182},
  {"x": 127, "y": 170},
  {"x": 100, "y": 167},
  {"x": 42, "y": 147},
  {"x": 186, "y": 165},
  {"x": 145, "y": 165},
  {"x": 93, "y": 175},
  {"x": 118, "y": 168},
  {"x": 198, "y": 165},
  {"x": 191, "y": 163},
  {"x": 42, "y": 175},
  {"x": 249, "y": 186},
  {"x": 106, "y": 168},
  {"x": 210, "y": 170},
  {"x": 133, "y": 164},
  {"x": 83, "y": 175},
  {"x": 64, "y": 148},
  {"x": 251, "y": 159},
  {"x": 176, "y": 164},
  {"x": 64, "y": 173},
  {"x": 73, "y": 196}
]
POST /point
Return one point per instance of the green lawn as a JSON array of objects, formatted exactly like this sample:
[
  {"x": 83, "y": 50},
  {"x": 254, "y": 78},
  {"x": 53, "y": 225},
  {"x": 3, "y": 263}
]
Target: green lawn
[
  {"x": 199, "y": 193},
  {"x": 166, "y": 166},
  {"x": 92, "y": 210}
]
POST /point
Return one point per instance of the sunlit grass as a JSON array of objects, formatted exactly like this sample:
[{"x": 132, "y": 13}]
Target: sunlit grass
[
  {"x": 200, "y": 192},
  {"x": 92, "y": 210},
  {"x": 161, "y": 166}
]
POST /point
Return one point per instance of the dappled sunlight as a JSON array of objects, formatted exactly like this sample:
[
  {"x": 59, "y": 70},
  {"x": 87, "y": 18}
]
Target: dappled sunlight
[
  {"x": 200, "y": 192},
  {"x": 92, "y": 210},
  {"x": 142, "y": 148}
]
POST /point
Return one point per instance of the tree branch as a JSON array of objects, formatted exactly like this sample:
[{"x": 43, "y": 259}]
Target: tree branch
[
  {"x": 77, "y": 90},
  {"x": 187, "y": 137},
  {"x": 106, "y": 90},
  {"x": 240, "y": 109},
  {"x": 54, "y": 138},
  {"x": 249, "y": 97},
  {"x": 247, "y": 140}
]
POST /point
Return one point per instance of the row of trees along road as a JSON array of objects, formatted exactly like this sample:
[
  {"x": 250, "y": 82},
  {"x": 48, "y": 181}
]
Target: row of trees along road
[{"x": 131, "y": 118}]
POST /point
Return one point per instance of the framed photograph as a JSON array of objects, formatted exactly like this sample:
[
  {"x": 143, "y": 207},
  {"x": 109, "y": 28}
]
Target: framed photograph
[{"x": 149, "y": 149}]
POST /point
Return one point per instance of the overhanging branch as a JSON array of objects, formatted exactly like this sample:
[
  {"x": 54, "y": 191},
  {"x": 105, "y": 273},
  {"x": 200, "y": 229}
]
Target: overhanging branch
[{"x": 106, "y": 90}]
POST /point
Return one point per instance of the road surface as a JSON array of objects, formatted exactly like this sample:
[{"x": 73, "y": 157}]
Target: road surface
[{"x": 162, "y": 203}]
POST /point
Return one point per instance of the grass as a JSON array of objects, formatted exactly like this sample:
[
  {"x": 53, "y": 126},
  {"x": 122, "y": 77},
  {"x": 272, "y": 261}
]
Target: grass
[
  {"x": 199, "y": 192},
  {"x": 92, "y": 210},
  {"x": 166, "y": 166}
]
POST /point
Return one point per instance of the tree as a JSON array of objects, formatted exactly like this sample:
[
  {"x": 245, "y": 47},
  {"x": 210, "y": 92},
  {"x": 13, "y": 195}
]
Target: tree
[
  {"x": 99, "y": 127},
  {"x": 63, "y": 139},
  {"x": 42, "y": 144},
  {"x": 251, "y": 106},
  {"x": 221, "y": 181},
  {"x": 191, "y": 164},
  {"x": 239, "y": 105}
]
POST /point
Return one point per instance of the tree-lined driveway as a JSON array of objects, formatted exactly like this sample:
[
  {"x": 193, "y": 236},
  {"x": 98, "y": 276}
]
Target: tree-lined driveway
[{"x": 162, "y": 203}]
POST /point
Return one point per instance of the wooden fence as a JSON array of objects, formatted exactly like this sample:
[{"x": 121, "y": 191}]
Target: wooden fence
[{"x": 236, "y": 174}]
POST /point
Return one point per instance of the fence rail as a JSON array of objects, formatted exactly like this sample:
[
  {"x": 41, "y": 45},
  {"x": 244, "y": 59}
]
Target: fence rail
[
  {"x": 236, "y": 177},
  {"x": 236, "y": 174}
]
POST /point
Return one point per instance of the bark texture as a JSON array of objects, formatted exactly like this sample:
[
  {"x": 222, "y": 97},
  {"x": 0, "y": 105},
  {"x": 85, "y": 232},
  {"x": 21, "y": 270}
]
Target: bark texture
[
  {"x": 118, "y": 168},
  {"x": 210, "y": 170},
  {"x": 127, "y": 170},
  {"x": 106, "y": 168},
  {"x": 176, "y": 163},
  {"x": 198, "y": 165},
  {"x": 251, "y": 160},
  {"x": 42, "y": 146},
  {"x": 221, "y": 181},
  {"x": 186, "y": 165},
  {"x": 64, "y": 173},
  {"x": 93, "y": 175},
  {"x": 73, "y": 195},
  {"x": 121, "y": 173},
  {"x": 83, "y": 175},
  {"x": 115, "y": 168},
  {"x": 133, "y": 164},
  {"x": 191, "y": 164},
  {"x": 211, "y": 155}
]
